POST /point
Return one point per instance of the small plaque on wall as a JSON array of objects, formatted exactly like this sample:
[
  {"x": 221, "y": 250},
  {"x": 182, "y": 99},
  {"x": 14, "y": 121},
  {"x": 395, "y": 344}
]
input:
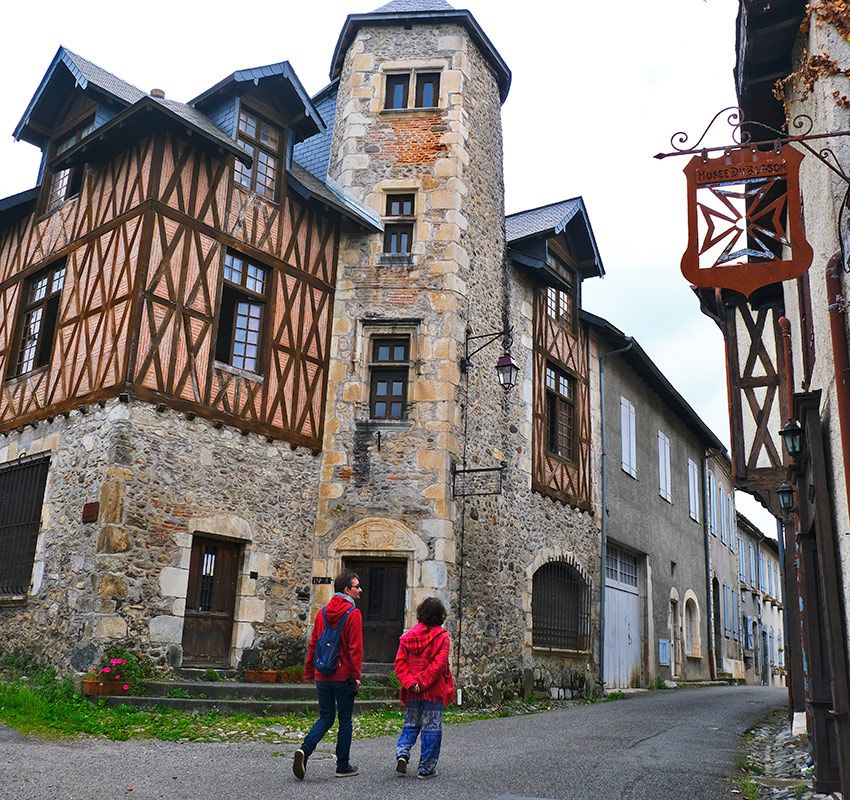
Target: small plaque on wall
[
  {"x": 317, "y": 580},
  {"x": 90, "y": 512}
]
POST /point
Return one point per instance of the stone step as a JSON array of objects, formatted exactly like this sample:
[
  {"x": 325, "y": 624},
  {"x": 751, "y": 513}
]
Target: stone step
[
  {"x": 377, "y": 668},
  {"x": 238, "y": 706},
  {"x": 252, "y": 691},
  {"x": 199, "y": 673}
]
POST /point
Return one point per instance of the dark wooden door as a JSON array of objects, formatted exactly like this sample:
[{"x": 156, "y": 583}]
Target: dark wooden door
[
  {"x": 210, "y": 600},
  {"x": 382, "y": 605}
]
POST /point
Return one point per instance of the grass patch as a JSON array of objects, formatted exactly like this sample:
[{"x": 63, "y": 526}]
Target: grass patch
[
  {"x": 617, "y": 695},
  {"x": 750, "y": 789},
  {"x": 42, "y": 705}
]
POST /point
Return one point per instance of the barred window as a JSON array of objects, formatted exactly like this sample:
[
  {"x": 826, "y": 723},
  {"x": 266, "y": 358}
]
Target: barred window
[
  {"x": 240, "y": 323},
  {"x": 560, "y": 608},
  {"x": 560, "y": 413},
  {"x": 260, "y": 140},
  {"x": 21, "y": 496}
]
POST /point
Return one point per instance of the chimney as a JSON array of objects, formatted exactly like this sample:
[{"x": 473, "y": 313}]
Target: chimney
[{"x": 158, "y": 93}]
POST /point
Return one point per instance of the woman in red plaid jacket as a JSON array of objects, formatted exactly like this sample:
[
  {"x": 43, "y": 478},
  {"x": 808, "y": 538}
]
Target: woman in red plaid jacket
[{"x": 427, "y": 687}]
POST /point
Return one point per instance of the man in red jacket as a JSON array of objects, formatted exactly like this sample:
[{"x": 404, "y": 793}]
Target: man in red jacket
[{"x": 336, "y": 692}]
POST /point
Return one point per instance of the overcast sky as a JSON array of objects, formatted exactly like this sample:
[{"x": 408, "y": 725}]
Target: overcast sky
[{"x": 598, "y": 88}]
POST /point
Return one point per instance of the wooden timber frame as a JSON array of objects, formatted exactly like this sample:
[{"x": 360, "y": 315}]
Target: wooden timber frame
[
  {"x": 567, "y": 347},
  {"x": 144, "y": 241}
]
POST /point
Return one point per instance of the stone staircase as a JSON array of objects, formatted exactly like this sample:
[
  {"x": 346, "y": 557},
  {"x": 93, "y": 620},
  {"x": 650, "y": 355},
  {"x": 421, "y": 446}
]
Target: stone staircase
[{"x": 189, "y": 693}]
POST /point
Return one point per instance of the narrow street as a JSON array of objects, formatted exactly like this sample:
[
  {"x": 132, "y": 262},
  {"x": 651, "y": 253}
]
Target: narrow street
[{"x": 667, "y": 745}]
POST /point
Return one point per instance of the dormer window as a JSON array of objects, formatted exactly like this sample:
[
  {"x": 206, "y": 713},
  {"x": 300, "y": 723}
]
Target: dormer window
[
  {"x": 260, "y": 140},
  {"x": 65, "y": 183}
]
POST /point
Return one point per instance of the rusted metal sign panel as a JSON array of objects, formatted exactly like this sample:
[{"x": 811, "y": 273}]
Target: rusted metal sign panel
[{"x": 745, "y": 227}]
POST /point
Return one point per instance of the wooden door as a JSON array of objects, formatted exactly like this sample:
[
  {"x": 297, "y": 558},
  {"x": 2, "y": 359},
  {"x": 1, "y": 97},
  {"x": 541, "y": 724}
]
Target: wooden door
[
  {"x": 382, "y": 604},
  {"x": 622, "y": 637},
  {"x": 210, "y": 600}
]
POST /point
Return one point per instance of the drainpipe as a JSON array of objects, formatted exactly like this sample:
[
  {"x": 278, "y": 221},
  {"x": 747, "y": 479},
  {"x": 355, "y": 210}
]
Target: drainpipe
[
  {"x": 837, "y": 308},
  {"x": 603, "y": 545},
  {"x": 712, "y": 661}
]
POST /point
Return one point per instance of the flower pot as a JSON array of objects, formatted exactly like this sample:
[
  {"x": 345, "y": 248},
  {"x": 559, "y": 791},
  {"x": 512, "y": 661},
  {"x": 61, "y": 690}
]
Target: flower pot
[
  {"x": 100, "y": 687},
  {"x": 260, "y": 675}
]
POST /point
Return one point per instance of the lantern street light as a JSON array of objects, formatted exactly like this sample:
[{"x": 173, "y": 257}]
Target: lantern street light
[
  {"x": 507, "y": 370},
  {"x": 785, "y": 495},
  {"x": 792, "y": 437}
]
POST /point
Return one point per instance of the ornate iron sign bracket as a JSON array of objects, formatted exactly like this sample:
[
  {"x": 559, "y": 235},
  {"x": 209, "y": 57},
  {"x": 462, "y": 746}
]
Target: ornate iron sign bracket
[
  {"x": 745, "y": 219},
  {"x": 742, "y": 136}
]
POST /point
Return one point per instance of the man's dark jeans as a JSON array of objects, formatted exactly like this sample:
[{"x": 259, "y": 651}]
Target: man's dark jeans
[{"x": 334, "y": 696}]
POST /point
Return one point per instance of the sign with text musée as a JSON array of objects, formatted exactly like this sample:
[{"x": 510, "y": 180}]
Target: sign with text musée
[{"x": 745, "y": 226}]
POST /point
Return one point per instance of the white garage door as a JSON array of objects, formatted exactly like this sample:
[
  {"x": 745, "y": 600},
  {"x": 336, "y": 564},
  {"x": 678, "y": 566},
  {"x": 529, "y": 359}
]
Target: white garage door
[{"x": 622, "y": 620}]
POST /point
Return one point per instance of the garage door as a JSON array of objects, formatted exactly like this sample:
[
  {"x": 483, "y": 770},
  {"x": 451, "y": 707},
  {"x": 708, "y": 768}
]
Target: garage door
[{"x": 623, "y": 626}]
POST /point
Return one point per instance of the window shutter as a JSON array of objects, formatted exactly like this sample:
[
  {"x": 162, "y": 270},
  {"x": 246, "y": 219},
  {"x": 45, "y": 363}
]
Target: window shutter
[
  {"x": 632, "y": 440},
  {"x": 625, "y": 437},
  {"x": 693, "y": 490},
  {"x": 664, "y": 466},
  {"x": 736, "y": 623},
  {"x": 722, "y": 505},
  {"x": 712, "y": 504}
]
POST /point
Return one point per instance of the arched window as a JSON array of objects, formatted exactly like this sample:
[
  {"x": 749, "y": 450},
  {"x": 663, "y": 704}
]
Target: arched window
[
  {"x": 560, "y": 608},
  {"x": 692, "y": 639}
]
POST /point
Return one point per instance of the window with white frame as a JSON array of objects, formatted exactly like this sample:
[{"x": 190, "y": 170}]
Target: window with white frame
[
  {"x": 722, "y": 505},
  {"x": 712, "y": 504},
  {"x": 628, "y": 438},
  {"x": 693, "y": 490},
  {"x": 664, "y": 482}
]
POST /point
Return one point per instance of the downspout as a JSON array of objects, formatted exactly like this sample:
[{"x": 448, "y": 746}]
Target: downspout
[
  {"x": 837, "y": 307},
  {"x": 712, "y": 661},
  {"x": 603, "y": 545}
]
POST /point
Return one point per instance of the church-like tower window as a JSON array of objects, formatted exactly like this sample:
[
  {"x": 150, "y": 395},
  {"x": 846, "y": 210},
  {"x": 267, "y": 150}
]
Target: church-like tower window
[
  {"x": 427, "y": 89},
  {"x": 398, "y": 87},
  {"x": 398, "y": 228}
]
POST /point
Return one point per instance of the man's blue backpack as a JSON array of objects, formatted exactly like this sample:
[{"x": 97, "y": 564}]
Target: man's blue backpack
[{"x": 326, "y": 654}]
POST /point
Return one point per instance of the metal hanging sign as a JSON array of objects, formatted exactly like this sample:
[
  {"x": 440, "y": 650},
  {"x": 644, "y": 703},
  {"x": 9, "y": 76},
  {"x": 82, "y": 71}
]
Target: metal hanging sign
[
  {"x": 745, "y": 224},
  {"x": 745, "y": 219}
]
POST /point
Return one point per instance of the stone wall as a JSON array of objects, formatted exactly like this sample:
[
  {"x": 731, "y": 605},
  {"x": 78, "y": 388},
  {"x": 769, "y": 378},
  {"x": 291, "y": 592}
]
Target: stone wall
[{"x": 159, "y": 478}]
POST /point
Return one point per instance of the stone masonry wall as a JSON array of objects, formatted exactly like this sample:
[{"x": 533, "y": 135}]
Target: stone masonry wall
[{"x": 159, "y": 477}]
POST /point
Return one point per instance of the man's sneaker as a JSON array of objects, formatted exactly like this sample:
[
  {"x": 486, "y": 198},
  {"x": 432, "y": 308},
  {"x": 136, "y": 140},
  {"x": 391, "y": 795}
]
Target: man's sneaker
[
  {"x": 431, "y": 774},
  {"x": 401, "y": 765},
  {"x": 299, "y": 764},
  {"x": 346, "y": 771}
]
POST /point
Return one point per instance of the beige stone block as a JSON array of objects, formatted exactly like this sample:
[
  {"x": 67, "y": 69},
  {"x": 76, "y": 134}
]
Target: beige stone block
[
  {"x": 454, "y": 283},
  {"x": 111, "y": 501},
  {"x": 229, "y": 525},
  {"x": 443, "y": 302},
  {"x": 458, "y": 253},
  {"x": 114, "y": 539},
  {"x": 173, "y": 582},
  {"x": 166, "y": 629},
  {"x": 259, "y": 562},
  {"x": 353, "y": 393},
  {"x": 436, "y": 491},
  {"x": 330, "y": 491},
  {"x": 113, "y": 586},
  {"x": 336, "y": 371},
  {"x": 183, "y": 540},
  {"x": 110, "y": 627},
  {"x": 363, "y": 62},
  {"x": 37, "y": 576},
  {"x": 120, "y": 474},
  {"x": 251, "y": 609},
  {"x": 444, "y": 550},
  {"x": 178, "y": 607},
  {"x": 46, "y": 515},
  {"x": 434, "y": 575},
  {"x": 446, "y": 167},
  {"x": 447, "y": 233},
  {"x": 87, "y": 442},
  {"x": 341, "y": 326},
  {"x": 119, "y": 411},
  {"x": 355, "y": 161},
  {"x": 445, "y": 199},
  {"x": 244, "y": 635},
  {"x": 432, "y": 459}
]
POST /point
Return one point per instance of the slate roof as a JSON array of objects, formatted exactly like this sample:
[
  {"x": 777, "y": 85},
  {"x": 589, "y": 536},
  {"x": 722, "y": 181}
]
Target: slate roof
[
  {"x": 195, "y": 118},
  {"x": 403, "y": 6},
  {"x": 326, "y": 193},
  {"x": 551, "y": 219},
  {"x": 106, "y": 81},
  {"x": 314, "y": 153}
]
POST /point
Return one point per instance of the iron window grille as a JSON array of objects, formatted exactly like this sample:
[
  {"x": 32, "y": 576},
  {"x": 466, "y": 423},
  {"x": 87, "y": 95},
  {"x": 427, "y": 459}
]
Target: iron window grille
[
  {"x": 22, "y": 485},
  {"x": 560, "y": 413},
  {"x": 39, "y": 314},
  {"x": 240, "y": 324},
  {"x": 261, "y": 140},
  {"x": 560, "y": 608},
  {"x": 388, "y": 380}
]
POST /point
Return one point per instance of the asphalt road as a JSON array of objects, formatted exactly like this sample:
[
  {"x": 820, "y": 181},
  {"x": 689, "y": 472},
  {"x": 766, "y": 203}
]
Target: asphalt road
[{"x": 654, "y": 746}]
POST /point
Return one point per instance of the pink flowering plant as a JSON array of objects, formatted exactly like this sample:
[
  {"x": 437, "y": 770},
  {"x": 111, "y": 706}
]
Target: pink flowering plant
[{"x": 118, "y": 665}]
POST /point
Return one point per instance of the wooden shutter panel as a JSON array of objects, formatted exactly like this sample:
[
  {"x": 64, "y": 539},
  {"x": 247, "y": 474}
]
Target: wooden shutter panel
[
  {"x": 632, "y": 440},
  {"x": 625, "y": 436}
]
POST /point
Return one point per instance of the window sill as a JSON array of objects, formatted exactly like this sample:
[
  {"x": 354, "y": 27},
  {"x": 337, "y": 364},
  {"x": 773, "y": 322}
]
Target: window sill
[
  {"x": 27, "y": 375},
  {"x": 391, "y": 260},
  {"x": 242, "y": 373},
  {"x": 694, "y": 656},
  {"x": 561, "y": 651},
  {"x": 50, "y": 212},
  {"x": 629, "y": 473},
  {"x": 383, "y": 425},
  {"x": 423, "y": 111}
]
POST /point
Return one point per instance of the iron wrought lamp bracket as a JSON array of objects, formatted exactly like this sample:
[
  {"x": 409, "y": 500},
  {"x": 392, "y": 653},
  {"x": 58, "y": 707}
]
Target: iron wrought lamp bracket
[{"x": 505, "y": 366}]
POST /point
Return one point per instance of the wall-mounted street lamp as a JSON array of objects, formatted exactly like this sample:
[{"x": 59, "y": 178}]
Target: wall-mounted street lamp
[
  {"x": 785, "y": 495},
  {"x": 792, "y": 437},
  {"x": 506, "y": 369}
]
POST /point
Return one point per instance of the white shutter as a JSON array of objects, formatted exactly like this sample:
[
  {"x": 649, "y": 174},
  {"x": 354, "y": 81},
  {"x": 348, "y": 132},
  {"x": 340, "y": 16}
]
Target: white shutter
[
  {"x": 730, "y": 506},
  {"x": 693, "y": 490},
  {"x": 664, "y": 466},
  {"x": 627, "y": 435},
  {"x": 712, "y": 504},
  {"x": 722, "y": 515}
]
